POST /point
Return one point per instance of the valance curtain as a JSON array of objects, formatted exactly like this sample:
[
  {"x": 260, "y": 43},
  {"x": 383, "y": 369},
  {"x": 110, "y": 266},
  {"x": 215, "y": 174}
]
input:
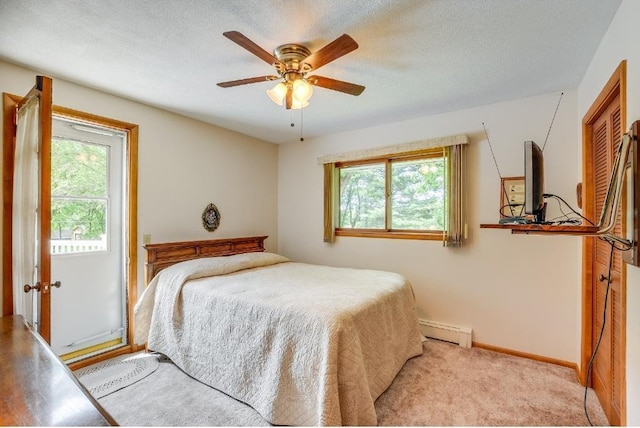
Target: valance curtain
[{"x": 25, "y": 207}]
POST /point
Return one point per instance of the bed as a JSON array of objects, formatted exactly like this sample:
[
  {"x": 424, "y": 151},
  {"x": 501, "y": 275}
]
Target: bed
[{"x": 302, "y": 344}]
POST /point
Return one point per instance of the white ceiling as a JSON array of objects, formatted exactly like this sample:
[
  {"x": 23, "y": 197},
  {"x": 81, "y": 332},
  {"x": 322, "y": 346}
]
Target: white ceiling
[{"x": 415, "y": 57}]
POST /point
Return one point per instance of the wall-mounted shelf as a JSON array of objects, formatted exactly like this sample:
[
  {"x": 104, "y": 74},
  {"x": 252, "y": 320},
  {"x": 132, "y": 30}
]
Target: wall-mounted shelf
[
  {"x": 626, "y": 169},
  {"x": 544, "y": 229}
]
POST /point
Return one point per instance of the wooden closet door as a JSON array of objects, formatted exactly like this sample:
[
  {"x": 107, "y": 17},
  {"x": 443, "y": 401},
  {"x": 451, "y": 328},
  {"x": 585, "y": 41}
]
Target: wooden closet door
[{"x": 607, "y": 376}]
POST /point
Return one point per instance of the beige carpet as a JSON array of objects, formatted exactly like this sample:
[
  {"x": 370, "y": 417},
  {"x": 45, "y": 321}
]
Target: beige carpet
[{"x": 447, "y": 385}]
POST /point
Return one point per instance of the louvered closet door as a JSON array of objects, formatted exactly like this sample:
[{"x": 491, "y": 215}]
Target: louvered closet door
[{"x": 607, "y": 377}]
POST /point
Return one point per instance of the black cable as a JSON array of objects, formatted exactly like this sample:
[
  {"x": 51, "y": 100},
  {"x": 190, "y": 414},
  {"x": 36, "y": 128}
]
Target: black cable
[
  {"x": 564, "y": 219},
  {"x": 595, "y": 350},
  {"x": 625, "y": 246},
  {"x": 604, "y": 318},
  {"x": 511, "y": 206},
  {"x": 551, "y": 195}
]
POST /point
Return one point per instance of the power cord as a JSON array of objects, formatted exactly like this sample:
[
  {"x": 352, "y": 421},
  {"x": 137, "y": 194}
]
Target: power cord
[
  {"x": 604, "y": 319},
  {"x": 511, "y": 208},
  {"x": 595, "y": 350},
  {"x": 565, "y": 218},
  {"x": 551, "y": 195}
]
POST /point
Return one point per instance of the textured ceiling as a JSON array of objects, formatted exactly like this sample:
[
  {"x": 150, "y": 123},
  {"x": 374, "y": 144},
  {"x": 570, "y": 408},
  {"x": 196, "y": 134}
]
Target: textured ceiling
[{"x": 415, "y": 57}]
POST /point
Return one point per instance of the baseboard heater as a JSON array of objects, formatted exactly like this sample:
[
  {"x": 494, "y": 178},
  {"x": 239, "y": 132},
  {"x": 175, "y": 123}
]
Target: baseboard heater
[{"x": 446, "y": 332}]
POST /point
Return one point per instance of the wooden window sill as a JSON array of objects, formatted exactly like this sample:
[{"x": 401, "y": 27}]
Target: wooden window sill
[{"x": 434, "y": 236}]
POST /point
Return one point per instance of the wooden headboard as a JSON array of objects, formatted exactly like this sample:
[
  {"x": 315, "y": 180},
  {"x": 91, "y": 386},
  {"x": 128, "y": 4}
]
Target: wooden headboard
[{"x": 160, "y": 256}]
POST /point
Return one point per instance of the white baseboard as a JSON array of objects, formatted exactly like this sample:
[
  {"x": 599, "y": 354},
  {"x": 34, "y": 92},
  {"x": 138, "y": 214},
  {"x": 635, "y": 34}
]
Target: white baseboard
[{"x": 449, "y": 333}]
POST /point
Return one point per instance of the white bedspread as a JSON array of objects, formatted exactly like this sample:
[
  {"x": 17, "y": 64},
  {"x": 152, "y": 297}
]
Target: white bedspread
[{"x": 302, "y": 344}]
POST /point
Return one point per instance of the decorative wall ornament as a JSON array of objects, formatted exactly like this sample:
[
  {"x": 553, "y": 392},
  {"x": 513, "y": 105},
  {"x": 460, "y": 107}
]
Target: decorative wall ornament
[{"x": 211, "y": 217}]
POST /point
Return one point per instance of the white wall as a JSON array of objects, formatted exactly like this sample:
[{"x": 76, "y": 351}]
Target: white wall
[
  {"x": 621, "y": 42},
  {"x": 516, "y": 292},
  {"x": 183, "y": 165}
]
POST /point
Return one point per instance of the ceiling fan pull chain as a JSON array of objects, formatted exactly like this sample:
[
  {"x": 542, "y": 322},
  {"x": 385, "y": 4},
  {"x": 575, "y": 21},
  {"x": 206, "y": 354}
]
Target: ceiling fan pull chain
[{"x": 301, "y": 123}]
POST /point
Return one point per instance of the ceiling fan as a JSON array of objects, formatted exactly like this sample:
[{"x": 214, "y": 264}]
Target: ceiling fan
[{"x": 292, "y": 63}]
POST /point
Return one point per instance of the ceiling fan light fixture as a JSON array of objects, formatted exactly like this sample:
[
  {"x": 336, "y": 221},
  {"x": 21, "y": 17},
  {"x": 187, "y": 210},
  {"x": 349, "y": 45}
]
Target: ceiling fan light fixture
[
  {"x": 296, "y": 105},
  {"x": 277, "y": 93},
  {"x": 292, "y": 62},
  {"x": 302, "y": 91}
]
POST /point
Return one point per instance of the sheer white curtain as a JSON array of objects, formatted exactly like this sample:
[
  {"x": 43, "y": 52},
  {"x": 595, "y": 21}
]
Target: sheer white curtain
[{"x": 25, "y": 208}]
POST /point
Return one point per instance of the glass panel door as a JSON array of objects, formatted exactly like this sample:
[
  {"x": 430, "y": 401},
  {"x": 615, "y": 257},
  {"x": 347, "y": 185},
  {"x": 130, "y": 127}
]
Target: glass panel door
[{"x": 87, "y": 235}]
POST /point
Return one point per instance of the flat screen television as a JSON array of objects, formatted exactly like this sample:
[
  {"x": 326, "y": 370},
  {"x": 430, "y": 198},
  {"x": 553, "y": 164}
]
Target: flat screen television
[{"x": 534, "y": 182}]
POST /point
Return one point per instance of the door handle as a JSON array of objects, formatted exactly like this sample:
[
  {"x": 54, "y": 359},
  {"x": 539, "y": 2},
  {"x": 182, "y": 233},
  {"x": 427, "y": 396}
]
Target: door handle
[
  {"x": 28, "y": 287},
  {"x": 603, "y": 278},
  {"x": 38, "y": 287},
  {"x": 46, "y": 287}
]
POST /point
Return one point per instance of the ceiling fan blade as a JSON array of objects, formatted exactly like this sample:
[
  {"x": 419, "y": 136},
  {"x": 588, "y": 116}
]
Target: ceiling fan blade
[
  {"x": 239, "y": 82},
  {"x": 339, "y": 47},
  {"x": 243, "y": 41},
  {"x": 336, "y": 85}
]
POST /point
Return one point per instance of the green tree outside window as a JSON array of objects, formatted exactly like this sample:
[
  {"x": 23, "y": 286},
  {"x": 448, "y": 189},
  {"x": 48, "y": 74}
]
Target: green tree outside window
[{"x": 79, "y": 191}]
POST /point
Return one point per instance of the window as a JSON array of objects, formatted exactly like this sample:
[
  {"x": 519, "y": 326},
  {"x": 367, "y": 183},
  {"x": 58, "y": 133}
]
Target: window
[
  {"x": 396, "y": 195},
  {"x": 78, "y": 196},
  {"x": 86, "y": 186},
  {"x": 413, "y": 194}
]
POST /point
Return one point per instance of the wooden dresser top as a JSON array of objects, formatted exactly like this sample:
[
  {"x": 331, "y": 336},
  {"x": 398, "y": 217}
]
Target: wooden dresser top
[{"x": 36, "y": 388}]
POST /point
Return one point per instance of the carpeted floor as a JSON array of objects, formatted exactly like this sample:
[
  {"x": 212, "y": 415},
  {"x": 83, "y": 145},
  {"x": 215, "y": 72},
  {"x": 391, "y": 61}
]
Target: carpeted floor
[{"x": 447, "y": 385}]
